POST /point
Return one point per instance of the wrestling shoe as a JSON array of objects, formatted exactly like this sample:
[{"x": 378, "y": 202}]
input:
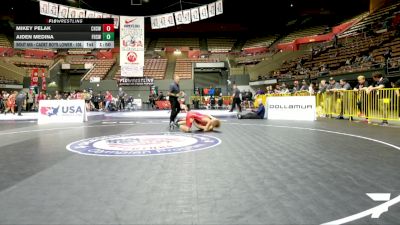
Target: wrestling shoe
[{"x": 171, "y": 126}]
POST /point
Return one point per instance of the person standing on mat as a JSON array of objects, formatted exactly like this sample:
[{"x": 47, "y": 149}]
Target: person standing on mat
[
  {"x": 20, "y": 100},
  {"x": 236, "y": 99},
  {"x": 174, "y": 93}
]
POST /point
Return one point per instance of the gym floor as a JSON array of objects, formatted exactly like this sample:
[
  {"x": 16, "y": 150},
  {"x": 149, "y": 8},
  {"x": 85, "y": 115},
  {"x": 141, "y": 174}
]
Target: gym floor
[{"x": 257, "y": 172}]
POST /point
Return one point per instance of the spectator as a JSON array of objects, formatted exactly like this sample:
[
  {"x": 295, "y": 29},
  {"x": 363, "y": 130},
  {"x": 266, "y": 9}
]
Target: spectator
[
  {"x": 20, "y": 100},
  {"x": 121, "y": 99},
  {"x": 284, "y": 89},
  {"x": 259, "y": 92},
  {"x": 387, "y": 55},
  {"x": 161, "y": 97},
  {"x": 236, "y": 98},
  {"x": 41, "y": 96},
  {"x": 108, "y": 99},
  {"x": 296, "y": 86},
  {"x": 304, "y": 86},
  {"x": 322, "y": 87},
  {"x": 362, "y": 84},
  {"x": 57, "y": 96},
  {"x": 332, "y": 85},
  {"x": 344, "y": 85},
  {"x": 379, "y": 83},
  {"x": 277, "y": 89},
  {"x": 362, "y": 102},
  {"x": 10, "y": 104},
  {"x": 254, "y": 114},
  {"x": 30, "y": 99}
]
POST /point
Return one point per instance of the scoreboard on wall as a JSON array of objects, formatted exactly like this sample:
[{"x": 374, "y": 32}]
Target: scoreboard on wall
[{"x": 66, "y": 33}]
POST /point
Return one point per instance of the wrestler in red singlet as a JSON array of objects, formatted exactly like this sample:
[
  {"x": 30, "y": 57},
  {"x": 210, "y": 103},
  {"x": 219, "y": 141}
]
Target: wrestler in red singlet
[{"x": 197, "y": 117}]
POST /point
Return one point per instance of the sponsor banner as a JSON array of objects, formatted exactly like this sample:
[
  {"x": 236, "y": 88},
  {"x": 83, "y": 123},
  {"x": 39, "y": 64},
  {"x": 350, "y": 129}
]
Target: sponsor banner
[
  {"x": 90, "y": 14},
  {"x": 203, "y": 12},
  {"x": 11, "y": 86},
  {"x": 34, "y": 77},
  {"x": 187, "y": 18},
  {"x": 170, "y": 20},
  {"x": 163, "y": 21},
  {"x": 131, "y": 71},
  {"x": 62, "y": 11},
  {"x": 178, "y": 18},
  {"x": 211, "y": 9},
  {"x": 72, "y": 12},
  {"x": 81, "y": 13},
  {"x": 61, "y": 111},
  {"x": 44, "y": 84},
  {"x": 132, "y": 46},
  {"x": 219, "y": 8},
  {"x": 195, "y": 14},
  {"x": 98, "y": 15},
  {"x": 136, "y": 81},
  {"x": 143, "y": 144},
  {"x": 116, "y": 21},
  {"x": 291, "y": 108},
  {"x": 48, "y": 9},
  {"x": 155, "y": 23},
  {"x": 94, "y": 79},
  {"x": 105, "y": 15}
]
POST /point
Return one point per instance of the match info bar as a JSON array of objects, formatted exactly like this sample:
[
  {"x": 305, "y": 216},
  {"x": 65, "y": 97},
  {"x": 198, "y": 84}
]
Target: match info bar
[
  {"x": 64, "y": 44},
  {"x": 71, "y": 35}
]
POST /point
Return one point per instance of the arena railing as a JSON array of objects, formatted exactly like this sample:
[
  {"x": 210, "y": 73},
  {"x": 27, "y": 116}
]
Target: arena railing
[{"x": 382, "y": 104}]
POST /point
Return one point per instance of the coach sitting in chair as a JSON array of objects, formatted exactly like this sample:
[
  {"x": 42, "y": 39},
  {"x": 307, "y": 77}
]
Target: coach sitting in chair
[{"x": 254, "y": 114}]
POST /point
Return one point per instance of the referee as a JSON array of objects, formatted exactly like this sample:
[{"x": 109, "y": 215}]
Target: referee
[{"x": 174, "y": 93}]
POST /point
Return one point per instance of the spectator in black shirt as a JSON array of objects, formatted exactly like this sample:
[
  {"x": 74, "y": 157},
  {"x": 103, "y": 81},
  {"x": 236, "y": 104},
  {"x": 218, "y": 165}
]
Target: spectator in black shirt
[
  {"x": 161, "y": 96},
  {"x": 380, "y": 83},
  {"x": 236, "y": 99}
]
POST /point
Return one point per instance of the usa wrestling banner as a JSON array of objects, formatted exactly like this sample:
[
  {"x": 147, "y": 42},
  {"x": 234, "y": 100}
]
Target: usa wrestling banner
[
  {"x": 132, "y": 46},
  {"x": 134, "y": 81}
]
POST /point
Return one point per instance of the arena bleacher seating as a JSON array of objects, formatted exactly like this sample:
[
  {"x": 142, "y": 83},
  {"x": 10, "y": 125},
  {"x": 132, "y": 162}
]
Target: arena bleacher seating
[
  {"x": 220, "y": 44},
  {"x": 178, "y": 43},
  {"x": 184, "y": 67},
  {"x": 28, "y": 63},
  {"x": 101, "y": 67},
  {"x": 315, "y": 30},
  {"x": 4, "y": 42},
  {"x": 259, "y": 42},
  {"x": 379, "y": 16}
]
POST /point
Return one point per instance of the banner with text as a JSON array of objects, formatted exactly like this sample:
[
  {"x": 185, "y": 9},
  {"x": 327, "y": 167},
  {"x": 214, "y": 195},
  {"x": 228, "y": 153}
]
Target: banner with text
[
  {"x": 135, "y": 81},
  {"x": 291, "y": 108},
  {"x": 131, "y": 46},
  {"x": 62, "y": 111}
]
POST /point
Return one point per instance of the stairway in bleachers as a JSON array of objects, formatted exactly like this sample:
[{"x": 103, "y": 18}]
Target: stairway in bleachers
[
  {"x": 203, "y": 44},
  {"x": 169, "y": 74},
  {"x": 152, "y": 44},
  {"x": 264, "y": 67},
  {"x": 10, "y": 72},
  {"x": 240, "y": 42}
]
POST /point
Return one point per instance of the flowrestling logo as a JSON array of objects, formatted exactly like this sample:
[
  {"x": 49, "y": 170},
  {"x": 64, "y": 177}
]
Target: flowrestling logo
[{"x": 143, "y": 144}]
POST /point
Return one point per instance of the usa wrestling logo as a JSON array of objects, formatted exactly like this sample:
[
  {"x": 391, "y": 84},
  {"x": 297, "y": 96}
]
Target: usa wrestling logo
[{"x": 143, "y": 144}]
